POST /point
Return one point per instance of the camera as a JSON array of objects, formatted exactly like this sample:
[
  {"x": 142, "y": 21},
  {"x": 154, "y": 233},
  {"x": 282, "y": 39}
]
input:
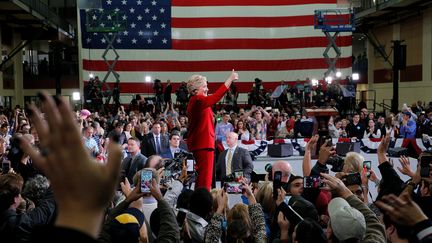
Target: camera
[
  {"x": 352, "y": 179},
  {"x": 337, "y": 163},
  {"x": 173, "y": 167}
]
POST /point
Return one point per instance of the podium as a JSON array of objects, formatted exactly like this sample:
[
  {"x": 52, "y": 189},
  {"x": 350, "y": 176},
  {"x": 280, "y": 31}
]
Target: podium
[{"x": 321, "y": 117}]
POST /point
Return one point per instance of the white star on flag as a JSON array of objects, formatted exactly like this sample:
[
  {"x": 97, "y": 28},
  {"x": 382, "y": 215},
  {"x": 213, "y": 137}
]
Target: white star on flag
[
  {"x": 134, "y": 41},
  {"x": 149, "y": 41},
  {"x": 154, "y": 17}
]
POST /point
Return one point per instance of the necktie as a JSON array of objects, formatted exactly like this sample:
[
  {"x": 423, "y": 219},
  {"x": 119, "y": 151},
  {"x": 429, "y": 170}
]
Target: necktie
[
  {"x": 157, "y": 145},
  {"x": 229, "y": 160}
]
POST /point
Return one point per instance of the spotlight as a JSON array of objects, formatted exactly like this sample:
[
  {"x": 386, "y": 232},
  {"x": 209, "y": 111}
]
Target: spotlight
[
  {"x": 314, "y": 82},
  {"x": 147, "y": 79},
  {"x": 76, "y": 96},
  {"x": 91, "y": 75},
  {"x": 329, "y": 79},
  {"x": 355, "y": 76},
  {"x": 338, "y": 74}
]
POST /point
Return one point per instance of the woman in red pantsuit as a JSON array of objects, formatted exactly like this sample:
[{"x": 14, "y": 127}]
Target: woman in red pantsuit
[{"x": 201, "y": 131}]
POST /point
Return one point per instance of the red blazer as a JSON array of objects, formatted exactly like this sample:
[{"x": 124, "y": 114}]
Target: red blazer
[{"x": 201, "y": 131}]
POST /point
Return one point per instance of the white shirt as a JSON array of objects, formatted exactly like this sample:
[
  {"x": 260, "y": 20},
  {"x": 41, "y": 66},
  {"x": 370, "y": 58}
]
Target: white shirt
[{"x": 174, "y": 150}]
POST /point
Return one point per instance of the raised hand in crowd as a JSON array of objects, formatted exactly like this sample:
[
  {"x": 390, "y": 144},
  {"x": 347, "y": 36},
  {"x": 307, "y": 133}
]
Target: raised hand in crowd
[
  {"x": 336, "y": 186},
  {"x": 284, "y": 226},
  {"x": 382, "y": 149},
  {"x": 405, "y": 167},
  {"x": 312, "y": 142},
  {"x": 247, "y": 192},
  {"x": 307, "y": 158},
  {"x": 155, "y": 190},
  {"x": 281, "y": 196},
  {"x": 402, "y": 210},
  {"x": 221, "y": 199},
  {"x": 325, "y": 152},
  {"x": 82, "y": 187}
]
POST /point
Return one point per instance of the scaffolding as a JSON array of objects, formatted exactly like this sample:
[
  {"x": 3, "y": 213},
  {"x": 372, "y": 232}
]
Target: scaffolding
[
  {"x": 332, "y": 22},
  {"x": 109, "y": 27}
]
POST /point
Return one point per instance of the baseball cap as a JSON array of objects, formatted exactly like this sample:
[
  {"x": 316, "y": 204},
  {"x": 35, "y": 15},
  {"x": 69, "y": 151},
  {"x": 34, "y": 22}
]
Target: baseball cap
[
  {"x": 85, "y": 113},
  {"x": 407, "y": 113},
  {"x": 346, "y": 221},
  {"x": 125, "y": 227},
  {"x": 303, "y": 207}
]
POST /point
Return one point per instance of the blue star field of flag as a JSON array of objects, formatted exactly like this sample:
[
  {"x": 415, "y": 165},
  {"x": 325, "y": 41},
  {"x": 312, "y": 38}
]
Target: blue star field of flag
[{"x": 147, "y": 24}]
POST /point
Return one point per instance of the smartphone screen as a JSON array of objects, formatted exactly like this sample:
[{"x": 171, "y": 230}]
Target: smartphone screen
[
  {"x": 313, "y": 182},
  {"x": 233, "y": 188},
  {"x": 277, "y": 183},
  {"x": 367, "y": 165},
  {"x": 425, "y": 165},
  {"x": 190, "y": 165},
  {"x": 146, "y": 179}
]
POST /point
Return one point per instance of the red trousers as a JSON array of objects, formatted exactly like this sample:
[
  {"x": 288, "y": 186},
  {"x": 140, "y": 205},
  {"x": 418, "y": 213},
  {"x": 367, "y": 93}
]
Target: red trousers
[{"x": 204, "y": 160}]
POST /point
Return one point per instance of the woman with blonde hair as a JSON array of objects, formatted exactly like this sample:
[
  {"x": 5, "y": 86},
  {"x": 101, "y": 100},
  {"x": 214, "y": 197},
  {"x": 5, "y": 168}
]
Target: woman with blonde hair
[
  {"x": 201, "y": 131},
  {"x": 353, "y": 163}
]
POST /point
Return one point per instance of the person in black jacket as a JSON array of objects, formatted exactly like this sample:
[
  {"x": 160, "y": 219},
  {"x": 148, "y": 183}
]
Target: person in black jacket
[
  {"x": 356, "y": 129},
  {"x": 16, "y": 227}
]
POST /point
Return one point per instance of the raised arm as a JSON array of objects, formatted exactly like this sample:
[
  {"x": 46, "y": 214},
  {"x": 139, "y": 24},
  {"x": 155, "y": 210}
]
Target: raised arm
[
  {"x": 208, "y": 101},
  {"x": 307, "y": 158}
]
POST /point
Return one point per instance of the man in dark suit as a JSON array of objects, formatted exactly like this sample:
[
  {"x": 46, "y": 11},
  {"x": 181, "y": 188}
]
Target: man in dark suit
[
  {"x": 234, "y": 159},
  {"x": 174, "y": 147},
  {"x": 155, "y": 142},
  {"x": 135, "y": 161}
]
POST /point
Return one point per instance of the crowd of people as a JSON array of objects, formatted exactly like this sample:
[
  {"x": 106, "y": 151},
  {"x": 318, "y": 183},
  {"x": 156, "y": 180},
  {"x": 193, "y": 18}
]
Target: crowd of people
[{"x": 69, "y": 177}]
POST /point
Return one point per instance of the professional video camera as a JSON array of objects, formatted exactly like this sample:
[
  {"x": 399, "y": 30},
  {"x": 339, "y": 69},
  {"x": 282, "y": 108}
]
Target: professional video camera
[
  {"x": 173, "y": 167},
  {"x": 337, "y": 163}
]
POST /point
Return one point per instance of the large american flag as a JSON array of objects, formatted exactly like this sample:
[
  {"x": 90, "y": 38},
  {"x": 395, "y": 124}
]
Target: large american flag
[{"x": 272, "y": 40}]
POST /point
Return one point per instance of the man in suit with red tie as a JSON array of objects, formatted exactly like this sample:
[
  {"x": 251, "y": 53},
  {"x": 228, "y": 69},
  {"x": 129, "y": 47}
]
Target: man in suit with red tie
[
  {"x": 201, "y": 131},
  {"x": 234, "y": 159}
]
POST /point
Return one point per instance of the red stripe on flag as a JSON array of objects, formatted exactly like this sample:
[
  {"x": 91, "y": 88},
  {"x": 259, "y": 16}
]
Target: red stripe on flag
[
  {"x": 257, "y": 22},
  {"x": 242, "y": 87},
  {"x": 230, "y": 22},
  {"x": 221, "y": 65},
  {"x": 200, "y": 3},
  {"x": 281, "y": 43}
]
